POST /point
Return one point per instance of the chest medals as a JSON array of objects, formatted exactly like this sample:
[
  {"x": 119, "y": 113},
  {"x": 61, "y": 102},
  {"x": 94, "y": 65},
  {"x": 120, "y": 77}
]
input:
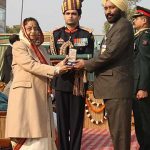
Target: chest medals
[{"x": 80, "y": 42}]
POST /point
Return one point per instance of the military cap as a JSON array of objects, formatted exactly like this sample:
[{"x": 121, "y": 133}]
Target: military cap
[
  {"x": 71, "y": 5},
  {"x": 141, "y": 11}
]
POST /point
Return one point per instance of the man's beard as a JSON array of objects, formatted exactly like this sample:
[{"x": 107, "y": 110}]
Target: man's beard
[{"x": 112, "y": 18}]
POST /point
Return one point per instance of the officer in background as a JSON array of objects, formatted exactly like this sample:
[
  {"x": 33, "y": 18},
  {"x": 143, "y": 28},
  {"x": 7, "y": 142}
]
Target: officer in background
[
  {"x": 141, "y": 102},
  {"x": 6, "y": 70},
  {"x": 69, "y": 87}
]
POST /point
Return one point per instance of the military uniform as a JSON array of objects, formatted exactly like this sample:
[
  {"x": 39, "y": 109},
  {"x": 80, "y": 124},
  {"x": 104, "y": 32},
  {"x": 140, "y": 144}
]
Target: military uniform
[
  {"x": 70, "y": 108},
  {"x": 141, "y": 108}
]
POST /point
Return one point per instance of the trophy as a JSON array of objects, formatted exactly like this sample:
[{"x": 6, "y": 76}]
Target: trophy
[{"x": 72, "y": 57}]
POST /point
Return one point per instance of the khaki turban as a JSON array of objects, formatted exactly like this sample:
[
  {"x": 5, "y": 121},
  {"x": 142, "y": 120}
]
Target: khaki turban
[{"x": 121, "y": 4}]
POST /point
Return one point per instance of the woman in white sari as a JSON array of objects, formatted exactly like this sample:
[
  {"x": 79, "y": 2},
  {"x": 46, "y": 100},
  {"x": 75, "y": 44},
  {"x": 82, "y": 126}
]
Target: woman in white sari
[{"x": 29, "y": 121}]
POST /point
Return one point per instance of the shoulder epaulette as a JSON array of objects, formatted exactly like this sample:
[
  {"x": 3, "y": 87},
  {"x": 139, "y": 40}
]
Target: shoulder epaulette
[
  {"x": 86, "y": 29},
  {"x": 142, "y": 31}
]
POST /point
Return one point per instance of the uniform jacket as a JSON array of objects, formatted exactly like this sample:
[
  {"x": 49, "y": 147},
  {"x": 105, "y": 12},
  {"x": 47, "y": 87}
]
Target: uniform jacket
[
  {"x": 6, "y": 73},
  {"x": 113, "y": 66},
  {"x": 27, "y": 105},
  {"x": 142, "y": 61},
  {"x": 82, "y": 40}
]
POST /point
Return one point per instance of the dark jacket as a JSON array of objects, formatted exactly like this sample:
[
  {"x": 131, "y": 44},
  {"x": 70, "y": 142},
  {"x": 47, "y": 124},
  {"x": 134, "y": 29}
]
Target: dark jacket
[
  {"x": 113, "y": 67},
  {"x": 6, "y": 73},
  {"x": 82, "y": 40},
  {"x": 142, "y": 61}
]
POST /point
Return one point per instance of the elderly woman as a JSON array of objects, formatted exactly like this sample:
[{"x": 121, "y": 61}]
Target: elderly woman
[{"x": 29, "y": 121}]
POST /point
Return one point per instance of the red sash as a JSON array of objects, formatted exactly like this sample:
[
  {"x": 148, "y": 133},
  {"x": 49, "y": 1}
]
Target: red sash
[
  {"x": 39, "y": 54},
  {"x": 19, "y": 143}
]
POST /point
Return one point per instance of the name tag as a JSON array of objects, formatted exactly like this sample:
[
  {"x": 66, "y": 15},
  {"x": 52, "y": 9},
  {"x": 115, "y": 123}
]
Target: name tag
[{"x": 103, "y": 49}]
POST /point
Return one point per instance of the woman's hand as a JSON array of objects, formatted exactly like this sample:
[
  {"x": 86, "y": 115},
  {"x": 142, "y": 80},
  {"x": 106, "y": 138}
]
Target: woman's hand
[{"x": 61, "y": 67}]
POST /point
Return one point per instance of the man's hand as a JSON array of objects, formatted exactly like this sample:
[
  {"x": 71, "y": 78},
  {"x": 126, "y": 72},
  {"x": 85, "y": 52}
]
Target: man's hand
[
  {"x": 141, "y": 94},
  {"x": 80, "y": 64}
]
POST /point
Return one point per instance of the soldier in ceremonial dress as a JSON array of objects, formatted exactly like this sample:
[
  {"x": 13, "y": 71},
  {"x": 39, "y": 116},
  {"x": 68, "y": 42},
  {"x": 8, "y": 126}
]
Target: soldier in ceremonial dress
[{"x": 70, "y": 87}]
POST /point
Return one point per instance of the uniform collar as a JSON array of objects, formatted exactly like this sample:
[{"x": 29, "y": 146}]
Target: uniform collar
[
  {"x": 140, "y": 31},
  {"x": 71, "y": 31}
]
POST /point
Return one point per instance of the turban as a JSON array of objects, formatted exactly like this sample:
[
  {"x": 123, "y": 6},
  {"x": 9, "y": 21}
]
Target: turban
[
  {"x": 71, "y": 5},
  {"x": 121, "y": 4}
]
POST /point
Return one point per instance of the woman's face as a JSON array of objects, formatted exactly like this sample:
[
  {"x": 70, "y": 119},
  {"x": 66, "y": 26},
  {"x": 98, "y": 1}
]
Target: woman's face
[{"x": 32, "y": 30}]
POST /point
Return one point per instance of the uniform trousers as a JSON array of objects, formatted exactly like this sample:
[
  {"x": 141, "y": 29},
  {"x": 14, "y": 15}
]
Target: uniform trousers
[
  {"x": 70, "y": 116},
  {"x": 119, "y": 121},
  {"x": 141, "y": 111}
]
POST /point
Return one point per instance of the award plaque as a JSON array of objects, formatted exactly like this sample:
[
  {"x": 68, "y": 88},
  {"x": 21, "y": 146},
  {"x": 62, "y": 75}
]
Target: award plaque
[{"x": 72, "y": 57}]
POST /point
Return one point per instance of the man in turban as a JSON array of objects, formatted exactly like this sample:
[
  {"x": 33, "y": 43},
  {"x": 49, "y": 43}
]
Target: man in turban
[
  {"x": 141, "y": 101},
  {"x": 113, "y": 72},
  {"x": 69, "y": 87}
]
